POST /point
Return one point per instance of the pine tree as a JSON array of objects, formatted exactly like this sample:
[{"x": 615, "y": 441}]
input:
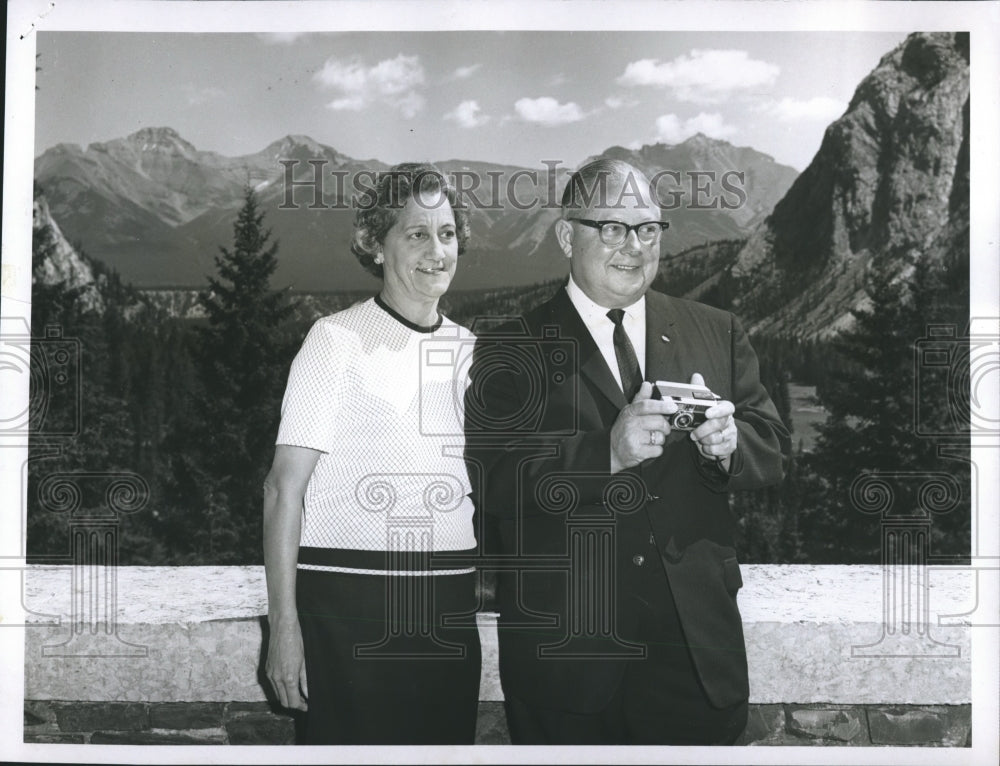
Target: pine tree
[
  {"x": 243, "y": 312},
  {"x": 242, "y": 357},
  {"x": 869, "y": 395}
]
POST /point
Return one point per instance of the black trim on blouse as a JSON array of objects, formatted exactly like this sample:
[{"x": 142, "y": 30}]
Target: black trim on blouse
[
  {"x": 420, "y": 561},
  {"x": 403, "y": 320}
]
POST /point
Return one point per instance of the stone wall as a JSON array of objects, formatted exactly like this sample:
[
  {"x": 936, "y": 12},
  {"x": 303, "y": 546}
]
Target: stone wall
[
  {"x": 257, "y": 723},
  {"x": 175, "y": 657}
]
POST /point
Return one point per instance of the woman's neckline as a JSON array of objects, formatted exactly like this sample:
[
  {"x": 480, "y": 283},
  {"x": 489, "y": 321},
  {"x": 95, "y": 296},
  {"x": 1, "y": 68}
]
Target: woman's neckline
[{"x": 380, "y": 302}]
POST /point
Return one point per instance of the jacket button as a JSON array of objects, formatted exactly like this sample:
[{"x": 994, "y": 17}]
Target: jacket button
[{"x": 638, "y": 559}]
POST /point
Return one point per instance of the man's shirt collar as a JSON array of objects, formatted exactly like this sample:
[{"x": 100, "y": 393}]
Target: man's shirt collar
[{"x": 595, "y": 315}]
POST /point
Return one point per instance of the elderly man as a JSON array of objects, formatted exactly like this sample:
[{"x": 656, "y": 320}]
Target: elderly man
[{"x": 614, "y": 539}]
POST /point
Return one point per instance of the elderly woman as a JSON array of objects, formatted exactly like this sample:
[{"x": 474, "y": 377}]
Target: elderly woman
[{"x": 372, "y": 632}]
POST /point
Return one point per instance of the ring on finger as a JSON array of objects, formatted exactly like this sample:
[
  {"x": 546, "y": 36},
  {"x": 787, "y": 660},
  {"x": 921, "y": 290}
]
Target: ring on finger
[{"x": 653, "y": 438}]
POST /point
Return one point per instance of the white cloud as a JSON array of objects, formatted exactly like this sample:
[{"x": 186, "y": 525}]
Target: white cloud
[
  {"x": 410, "y": 104},
  {"x": 703, "y": 76},
  {"x": 392, "y": 81},
  {"x": 672, "y": 130},
  {"x": 547, "y": 111},
  {"x": 820, "y": 108},
  {"x": 464, "y": 72},
  {"x": 349, "y": 104},
  {"x": 467, "y": 114},
  {"x": 397, "y": 75},
  {"x": 617, "y": 102}
]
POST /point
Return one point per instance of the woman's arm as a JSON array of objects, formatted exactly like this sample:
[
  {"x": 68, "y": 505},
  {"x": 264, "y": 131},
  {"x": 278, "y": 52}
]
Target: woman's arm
[{"x": 284, "y": 490}]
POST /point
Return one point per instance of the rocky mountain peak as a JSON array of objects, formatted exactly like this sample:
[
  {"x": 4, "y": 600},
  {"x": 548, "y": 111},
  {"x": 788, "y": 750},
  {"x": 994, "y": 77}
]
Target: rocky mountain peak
[
  {"x": 58, "y": 261},
  {"x": 163, "y": 136},
  {"x": 763, "y": 183},
  {"x": 67, "y": 148},
  {"x": 149, "y": 141},
  {"x": 302, "y": 148},
  {"x": 700, "y": 139},
  {"x": 881, "y": 189},
  {"x": 297, "y": 139}
]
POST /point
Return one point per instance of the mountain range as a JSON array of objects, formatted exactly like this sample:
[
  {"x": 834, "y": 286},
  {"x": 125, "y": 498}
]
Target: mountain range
[
  {"x": 155, "y": 208},
  {"x": 889, "y": 185}
]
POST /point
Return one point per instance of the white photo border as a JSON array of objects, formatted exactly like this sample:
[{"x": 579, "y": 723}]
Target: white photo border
[{"x": 27, "y": 17}]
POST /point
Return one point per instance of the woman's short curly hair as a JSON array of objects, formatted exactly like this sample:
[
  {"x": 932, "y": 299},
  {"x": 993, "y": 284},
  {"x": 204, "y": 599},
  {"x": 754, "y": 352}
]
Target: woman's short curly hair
[{"x": 377, "y": 209}]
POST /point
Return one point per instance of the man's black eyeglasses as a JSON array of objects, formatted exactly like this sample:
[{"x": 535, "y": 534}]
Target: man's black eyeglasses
[{"x": 616, "y": 232}]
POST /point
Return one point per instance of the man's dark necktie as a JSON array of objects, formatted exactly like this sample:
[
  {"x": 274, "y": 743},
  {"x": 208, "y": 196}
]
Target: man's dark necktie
[{"x": 628, "y": 364}]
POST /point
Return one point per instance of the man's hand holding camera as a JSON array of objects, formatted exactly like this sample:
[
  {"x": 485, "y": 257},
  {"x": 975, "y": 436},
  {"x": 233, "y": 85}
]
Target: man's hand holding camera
[
  {"x": 716, "y": 437},
  {"x": 642, "y": 428}
]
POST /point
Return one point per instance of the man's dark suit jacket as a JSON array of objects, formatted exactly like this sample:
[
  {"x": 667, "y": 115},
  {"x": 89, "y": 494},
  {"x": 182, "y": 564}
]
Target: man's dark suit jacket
[{"x": 539, "y": 412}]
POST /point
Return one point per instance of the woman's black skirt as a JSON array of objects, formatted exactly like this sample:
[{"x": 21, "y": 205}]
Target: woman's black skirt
[{"x": 389, "y": 660}]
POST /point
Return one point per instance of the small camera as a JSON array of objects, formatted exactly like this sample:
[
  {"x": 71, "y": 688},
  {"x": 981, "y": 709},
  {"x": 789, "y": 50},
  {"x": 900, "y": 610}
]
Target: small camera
[{"x": 692, "y": 401}]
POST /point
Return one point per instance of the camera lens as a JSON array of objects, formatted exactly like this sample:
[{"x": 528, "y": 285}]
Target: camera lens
[{"x": 683, "y": 420}]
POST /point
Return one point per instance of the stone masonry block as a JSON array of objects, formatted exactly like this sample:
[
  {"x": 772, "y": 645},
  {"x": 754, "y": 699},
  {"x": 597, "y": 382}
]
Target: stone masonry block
[
  {"x": 765, "y": 725},
  {"x": 261, "y": 729},
  {"x": 160, "y": 737},
  {"x": 491, "y": 724},
  {"x": 186, "y": 715},
  {"x": 92, "y": 716},
  {"x": 942, "y": 725},
  {"x": 837, "y": 723},
  {"x": 54, "y": 739},
  {"x": 237, "y": 709},
  {"x": 38, "y": 712}
]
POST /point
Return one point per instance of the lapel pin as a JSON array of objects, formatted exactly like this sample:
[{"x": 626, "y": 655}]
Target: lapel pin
[{"x": 664, "y": 338}]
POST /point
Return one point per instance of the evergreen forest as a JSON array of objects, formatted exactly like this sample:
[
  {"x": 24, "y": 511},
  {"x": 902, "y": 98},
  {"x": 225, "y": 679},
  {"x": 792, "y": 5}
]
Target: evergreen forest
[{"x": 192, "y": 405}]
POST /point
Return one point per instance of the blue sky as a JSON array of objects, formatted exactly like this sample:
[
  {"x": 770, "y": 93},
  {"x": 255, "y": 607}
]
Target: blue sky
[{"x": 517, "y": 97}]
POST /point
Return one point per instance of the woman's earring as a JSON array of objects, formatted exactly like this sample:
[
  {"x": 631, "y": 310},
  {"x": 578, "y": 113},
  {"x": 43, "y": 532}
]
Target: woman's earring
[{"x": 378, "y": 257}]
